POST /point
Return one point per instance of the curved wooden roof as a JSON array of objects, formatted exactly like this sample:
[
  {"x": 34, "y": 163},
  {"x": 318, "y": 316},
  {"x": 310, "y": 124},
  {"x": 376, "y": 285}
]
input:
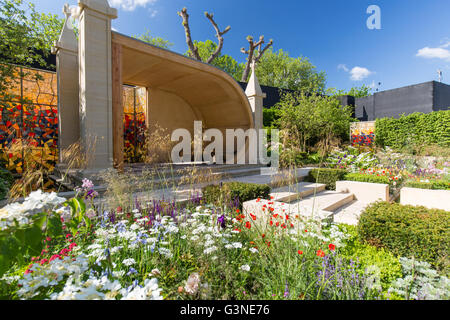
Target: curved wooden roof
[{"x": 208, "y": 90}]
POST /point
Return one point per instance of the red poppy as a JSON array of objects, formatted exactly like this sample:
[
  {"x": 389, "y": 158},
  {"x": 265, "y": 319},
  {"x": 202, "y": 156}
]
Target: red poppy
[
  {"x": 331, "y": 247},
  {"x": 320, "y": 253},
  {"x": 248, "y": 225},
  {"x": 300, "y": 252}
]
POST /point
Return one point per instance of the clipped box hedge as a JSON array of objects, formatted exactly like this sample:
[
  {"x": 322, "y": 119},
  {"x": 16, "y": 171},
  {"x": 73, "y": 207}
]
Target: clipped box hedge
[
  {"x": 233, "y": 193},
  {"x": 432, "y": 185},
  {"x": 366, "y": 178},
  {"x": 326, "y": 176},
  {"x": 408, "y": 231}
]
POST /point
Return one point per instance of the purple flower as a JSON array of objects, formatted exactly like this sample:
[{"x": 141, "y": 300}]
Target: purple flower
[
  {"x": 221, "y": 221},
  {"x": 286, "y": 290}
]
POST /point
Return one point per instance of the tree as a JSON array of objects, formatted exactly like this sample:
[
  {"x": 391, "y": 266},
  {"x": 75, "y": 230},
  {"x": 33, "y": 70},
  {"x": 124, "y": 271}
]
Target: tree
[
  {"x": 360, "y": 92},
  {"x": 224, "y": 62},
  {"x": 26, "y": 37},
  {"x": 156, "y": 41},
  {"x": 193, "y": 50},
  {"x": 47, "y": 27},
  {"x": 254, "y": 54},
  {"x": 309, "y": 120},
  {"x": 357, "y": 92},
  {"x": 278, "y": 69}
]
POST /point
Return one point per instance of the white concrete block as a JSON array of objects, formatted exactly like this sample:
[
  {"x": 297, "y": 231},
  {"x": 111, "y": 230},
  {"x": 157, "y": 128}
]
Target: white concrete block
[
  {"x": 364, "y": 191},
  {"x": 432, "y": 199}
]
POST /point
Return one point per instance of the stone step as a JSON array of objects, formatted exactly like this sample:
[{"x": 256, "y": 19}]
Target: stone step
[
  {"x": 320, "y": 205},
  {"x": 325, "y": 200},
  {"x": 296, "y": 192}
]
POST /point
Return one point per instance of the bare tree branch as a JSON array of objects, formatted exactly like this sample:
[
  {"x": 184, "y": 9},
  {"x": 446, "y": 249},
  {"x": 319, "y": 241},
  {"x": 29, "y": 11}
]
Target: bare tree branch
[
  {"x": 193, "y": 51},
  {"x": 250, "y": 53},
  {"x": 261, "y": 52},
  {"x": 219, "y": 35}
]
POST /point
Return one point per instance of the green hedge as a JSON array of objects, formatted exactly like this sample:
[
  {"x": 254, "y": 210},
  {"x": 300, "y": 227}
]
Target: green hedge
[
  {"x": 433, "y": 184},
  {"x": 269, "y": 116},
  {"x": 370, "y": 178},
  {"x": 366, "y": 178},
  {"x": 408, "y": 231},
  {"x": 414, "y": 129},
  {"x": 326, "y": 176},
  {"x": 229, "y": 192},
  {"x": 6, "y": 181}
]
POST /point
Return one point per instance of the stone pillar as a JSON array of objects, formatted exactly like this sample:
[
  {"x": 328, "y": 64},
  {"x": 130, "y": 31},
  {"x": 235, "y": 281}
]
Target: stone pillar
[
  {"x": 66, "y": 50},
  {"x": 95, "y": 82},
  {"x": 255, "y": 97}
]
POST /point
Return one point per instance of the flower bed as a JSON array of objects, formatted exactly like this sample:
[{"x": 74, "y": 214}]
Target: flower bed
[{"x": 159, "y": 251}]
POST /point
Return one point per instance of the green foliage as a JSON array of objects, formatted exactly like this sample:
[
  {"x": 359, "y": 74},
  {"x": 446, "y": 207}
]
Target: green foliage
[
  {"x": 229, "y": 192},
  {"x": 223, "y": 61},
  {"x": 278, "y": 69},
  {"x": 416, "y": 129},
  {"x": 270, "y": 115},
  {"x": 47, "y": 27},
  {"x": 6, "y": 181},
  {"x": 26, "y": 37},
  {"x": 366, "y": 178},
  {"x": 420, "y": 282},
  {"x": 408, "y": 231},
  {"x": 351, "y": 159},
  {"x": 357, "y": 92},
  {"x": 378, "y": 262},
  {"x": 326, "y": 176},
  {"x": 156, "y": 41},
  {"x": 433, "y": 184},
  {"x": 312, "y": 120},
  {"x": 18, "y": 243}
]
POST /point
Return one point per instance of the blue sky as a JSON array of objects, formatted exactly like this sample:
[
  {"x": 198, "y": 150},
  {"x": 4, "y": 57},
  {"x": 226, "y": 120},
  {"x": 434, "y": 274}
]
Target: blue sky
[{"x": 413, "y": 42}]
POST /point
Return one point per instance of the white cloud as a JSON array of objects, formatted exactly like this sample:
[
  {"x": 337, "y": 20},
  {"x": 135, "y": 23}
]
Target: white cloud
[
  {"x": 153, "y": 12},
  {"x": 130, "y": 5},
  {"x": 343, "y": 67},
  {"x": 359, "y": 73},
  {"x": 440, "y": 52}
]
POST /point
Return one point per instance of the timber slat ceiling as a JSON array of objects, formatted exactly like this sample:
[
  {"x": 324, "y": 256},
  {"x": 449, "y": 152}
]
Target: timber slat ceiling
[{"x": 212, "y": 91}]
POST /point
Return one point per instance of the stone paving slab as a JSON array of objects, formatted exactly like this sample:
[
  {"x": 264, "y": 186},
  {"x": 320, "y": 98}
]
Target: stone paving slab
[{"x": 349, "y": 214}]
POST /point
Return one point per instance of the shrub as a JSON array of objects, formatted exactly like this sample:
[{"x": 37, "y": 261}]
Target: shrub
[
  {"x": 379, "y": 263},
  {"x": 270, "y": 116},
  {"x": 433, "y": 184},
  {"x": 367, "y": 178},
  {"x": 326, "y": 176},
  {"x": 6, "y": 181},
  {"x": 361, "y": 177},
  {"x": 416, "y": 129},
  {"x": 408, "y": 231},
  {"x": 229, "y": 192}
]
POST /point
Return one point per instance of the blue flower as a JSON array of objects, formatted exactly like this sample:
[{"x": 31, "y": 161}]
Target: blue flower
[{"x": 131, "y": 271}]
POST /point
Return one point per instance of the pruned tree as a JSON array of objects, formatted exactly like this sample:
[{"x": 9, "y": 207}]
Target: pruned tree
[
  {"x": 251, "y": 57},
  {"x": 193, "y": 50}
]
